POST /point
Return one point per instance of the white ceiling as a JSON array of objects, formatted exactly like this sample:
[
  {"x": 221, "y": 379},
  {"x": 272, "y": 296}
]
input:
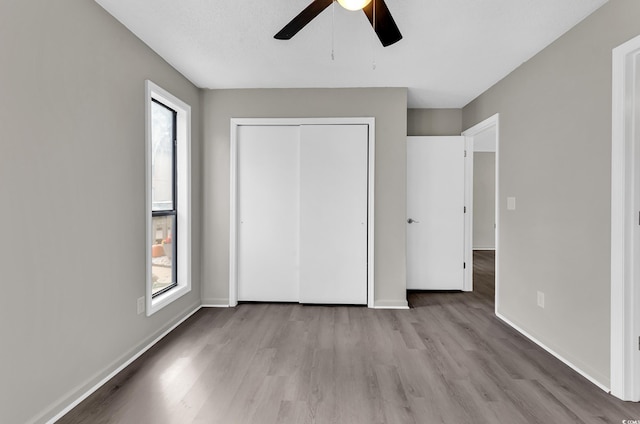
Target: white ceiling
[{"x": 452, "y": 51}]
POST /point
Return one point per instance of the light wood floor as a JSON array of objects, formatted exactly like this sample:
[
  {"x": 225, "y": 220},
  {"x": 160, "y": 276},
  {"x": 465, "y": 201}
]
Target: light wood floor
[{"x": 446, "y": 360}]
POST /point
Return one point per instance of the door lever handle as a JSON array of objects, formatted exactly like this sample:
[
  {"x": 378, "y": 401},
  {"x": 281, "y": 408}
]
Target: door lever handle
[{"x": 412, "y": 221}]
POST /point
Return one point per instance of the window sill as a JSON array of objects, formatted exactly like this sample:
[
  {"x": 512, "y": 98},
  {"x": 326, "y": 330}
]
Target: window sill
[{"x": 159, "y": 302}]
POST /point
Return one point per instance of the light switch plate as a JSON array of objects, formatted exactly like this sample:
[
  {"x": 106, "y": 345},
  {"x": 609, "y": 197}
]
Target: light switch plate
[
  {"x": 140, "y": 305},
  {"x": 511, "y": 203}
]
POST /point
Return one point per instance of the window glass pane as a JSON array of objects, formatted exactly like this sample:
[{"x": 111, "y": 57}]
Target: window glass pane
[
  {"x": 162, "y": 253},
  {"x": 162, "y": 131}
]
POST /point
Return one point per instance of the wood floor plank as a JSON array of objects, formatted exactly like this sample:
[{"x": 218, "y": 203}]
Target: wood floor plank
[{"x": 446, "y": 360}]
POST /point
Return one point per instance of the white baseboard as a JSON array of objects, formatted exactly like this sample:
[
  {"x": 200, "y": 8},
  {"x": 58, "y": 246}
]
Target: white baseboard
[
  {"x": 215, "y": 302},
  {"x": 380, "y": 304},
  {"x": 88, "y": 393},
  {"x": 484, "y": 248},
  {"x": 552, "y": 352},
  {"x": 391, "y": 304}
]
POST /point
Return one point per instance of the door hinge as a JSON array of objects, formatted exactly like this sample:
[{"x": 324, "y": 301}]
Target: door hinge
[
  {"x": 638, "y": 343},
  {"x": 465, "y": 153},
  {"x": 465, "y": 209},
  {"x": 464, "y": 265}
]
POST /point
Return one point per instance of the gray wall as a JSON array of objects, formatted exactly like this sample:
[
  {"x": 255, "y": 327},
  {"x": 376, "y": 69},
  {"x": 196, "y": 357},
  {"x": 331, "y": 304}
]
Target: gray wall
[
  {"x": 555, "y": 154},
  {"x": 387, "y": 105},
  {"x": 72, "y": 160},
  {"x": 484, "y": 200},
  {"x": 434, "y": 122}
]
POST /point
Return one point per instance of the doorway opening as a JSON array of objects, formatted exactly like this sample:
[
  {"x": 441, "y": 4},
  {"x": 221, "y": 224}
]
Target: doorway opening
[{"x": 482, "y": 180}]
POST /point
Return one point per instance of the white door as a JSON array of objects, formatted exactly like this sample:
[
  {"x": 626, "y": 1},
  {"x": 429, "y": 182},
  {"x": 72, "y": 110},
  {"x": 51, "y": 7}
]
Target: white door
[
  {"x": 435, "y": 213},
  {"x": 302, "y": 208},
  {"x": 333, "y": 214},
  {"x": 268, "y": 211}
]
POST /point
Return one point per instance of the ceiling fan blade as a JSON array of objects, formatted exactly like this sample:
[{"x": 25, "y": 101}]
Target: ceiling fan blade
[
  {"x": 300, "y": 21},
  {"x": 385, "y": 26}
]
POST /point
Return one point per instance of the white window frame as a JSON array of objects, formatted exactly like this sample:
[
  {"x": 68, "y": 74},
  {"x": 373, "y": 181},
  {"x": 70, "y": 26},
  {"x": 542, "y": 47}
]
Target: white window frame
[{"x": 183, "y": 184}]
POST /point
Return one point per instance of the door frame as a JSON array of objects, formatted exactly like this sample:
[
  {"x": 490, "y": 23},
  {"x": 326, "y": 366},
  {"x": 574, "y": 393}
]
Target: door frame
[
  {"x": 233, "y": 209},
  {"x": 625, "y": 269},
  {"x": 492, "y": 122}
]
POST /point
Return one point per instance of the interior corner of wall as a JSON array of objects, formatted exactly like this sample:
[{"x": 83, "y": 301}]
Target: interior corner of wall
[
  {"x": 391, "y": 304},
  {"x": 215, "y": 302}
]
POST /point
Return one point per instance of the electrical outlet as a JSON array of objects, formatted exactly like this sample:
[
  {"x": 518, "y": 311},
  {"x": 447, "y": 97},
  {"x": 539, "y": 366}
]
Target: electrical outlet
[
  {"x": 511, "y": 203},
  {"x": 140, "y": 305},
  {"x": 541, "y": 299}
]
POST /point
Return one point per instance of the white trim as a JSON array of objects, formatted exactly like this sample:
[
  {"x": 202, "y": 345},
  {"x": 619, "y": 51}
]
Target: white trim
[
  {"x": 484, "y": 248},
  {"x": 117, "y": 370},
  {"x": 391, "y": 304},
  {"x": 392, "y": 307},
  {"x": 235, "y": 123},
  {"x": 214, "y": 302},
  {"x": 625, "y": 364},
  {"x": 487, "y": 124},
  {"x": 233, "y": 214},
  {"x": 492, "y": 122},
  {"x": 552, "y": 352},
  {"x": 183, "y": 260},
  {"x": 371, "y": 122},
  {"x": 468, "y": 216}
]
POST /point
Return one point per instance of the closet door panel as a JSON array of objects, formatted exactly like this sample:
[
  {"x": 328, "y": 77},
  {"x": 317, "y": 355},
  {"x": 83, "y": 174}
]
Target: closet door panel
[
  {"x": 268, "y": 210},
  {"x": 333, "y": 214}
]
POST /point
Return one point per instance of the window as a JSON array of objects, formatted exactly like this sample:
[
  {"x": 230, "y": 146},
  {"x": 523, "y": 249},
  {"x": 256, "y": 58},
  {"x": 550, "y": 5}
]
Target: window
[
  {"x": 163, "y": 198},
  {"x": 168, "y": 198}
]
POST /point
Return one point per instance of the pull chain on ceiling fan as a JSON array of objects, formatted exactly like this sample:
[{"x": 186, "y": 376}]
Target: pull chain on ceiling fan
[{"x": 381, "y": 21}]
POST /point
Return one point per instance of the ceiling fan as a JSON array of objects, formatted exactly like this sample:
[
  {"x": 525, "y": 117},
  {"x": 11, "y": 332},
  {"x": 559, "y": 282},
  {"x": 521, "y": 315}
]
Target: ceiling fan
[{"x": 384, "y": 25}]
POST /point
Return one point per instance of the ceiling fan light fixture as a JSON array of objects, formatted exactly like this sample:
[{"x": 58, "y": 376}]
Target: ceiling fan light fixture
[
  {"x": 354, "y": 4},
  {"x": 376, "y": 12}
]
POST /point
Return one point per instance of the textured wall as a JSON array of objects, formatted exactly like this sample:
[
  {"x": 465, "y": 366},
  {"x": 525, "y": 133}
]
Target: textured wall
[
  {"x": 555, "y": 158},
  {"x": 434, "y": 122},
  {"x": 72, "y": 161},
  {"x": 387, "y": 105},
  {"x": 484, "y": 200}
]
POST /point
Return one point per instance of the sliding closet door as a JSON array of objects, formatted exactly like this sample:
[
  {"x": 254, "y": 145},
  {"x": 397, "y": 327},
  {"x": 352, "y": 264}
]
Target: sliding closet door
[
  {"x": 333, "y": 214},
  {"x": 268, "y": 210}
]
